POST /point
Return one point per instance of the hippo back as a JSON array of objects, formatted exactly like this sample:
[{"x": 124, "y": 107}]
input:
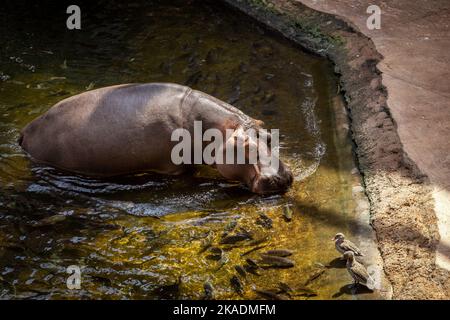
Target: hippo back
[{"x": 108, "y": 131}]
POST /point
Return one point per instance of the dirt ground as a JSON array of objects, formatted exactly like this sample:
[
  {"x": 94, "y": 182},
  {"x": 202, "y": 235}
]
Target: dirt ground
[{"x": 397, "y": 166}]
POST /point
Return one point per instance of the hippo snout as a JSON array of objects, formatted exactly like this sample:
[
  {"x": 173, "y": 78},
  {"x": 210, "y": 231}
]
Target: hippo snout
[{"x": 274, "y": 183}]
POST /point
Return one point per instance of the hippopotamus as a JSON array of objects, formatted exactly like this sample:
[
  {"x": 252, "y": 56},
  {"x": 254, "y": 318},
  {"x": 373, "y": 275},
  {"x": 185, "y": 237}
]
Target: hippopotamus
[{"x": 126, "y": 129}]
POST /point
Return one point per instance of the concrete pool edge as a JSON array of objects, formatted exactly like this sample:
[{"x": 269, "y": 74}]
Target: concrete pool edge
[{"x": 402, "y": 209}]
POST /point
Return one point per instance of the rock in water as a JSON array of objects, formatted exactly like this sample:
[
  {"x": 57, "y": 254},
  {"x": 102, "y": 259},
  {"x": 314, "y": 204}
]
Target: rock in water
[{"x": 251, "y": 263}]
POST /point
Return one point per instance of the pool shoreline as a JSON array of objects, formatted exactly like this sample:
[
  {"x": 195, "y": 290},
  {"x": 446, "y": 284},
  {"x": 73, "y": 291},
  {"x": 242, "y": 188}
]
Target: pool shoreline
[{"x": 400, "y": 195}]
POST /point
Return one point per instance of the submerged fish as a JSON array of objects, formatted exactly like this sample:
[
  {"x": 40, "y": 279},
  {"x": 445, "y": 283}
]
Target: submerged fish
[
  {"x": 209, "y": 291},
  {"x": 230, "y": 226},
  {"x": 300, "y": 291},
  {"x": 285, "y": 287},
  {"x": 223, "y": 261},
  {"x": 303, "y": 292},
  {"x": 246, "y": 232},
  {"x": 287, "y": 212},
  {"x": 252, "y": 270},
  {"x": 240, "y": 270},
  {"x": 252, "y": 263},
  {"x": 231, "y": 239},
  {"x": 268, "y": 261},
  {"x": 251, "y": 267},
  {"x": 269, "y": 294},
  {"x": 236, "y": 284},
  {"x": 253, "y": 249},
  {"x": 215, "y": 253},
  {"x": 206, "y": 243},
  {"x": 279, "y": 252},
  {"x": 315, "y": 275},
  {"x": 50, "y": 220}
]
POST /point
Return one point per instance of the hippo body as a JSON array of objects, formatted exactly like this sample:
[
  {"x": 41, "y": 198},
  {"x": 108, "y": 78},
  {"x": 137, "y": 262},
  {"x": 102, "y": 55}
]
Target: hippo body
[{"x": 126, "y": 129}]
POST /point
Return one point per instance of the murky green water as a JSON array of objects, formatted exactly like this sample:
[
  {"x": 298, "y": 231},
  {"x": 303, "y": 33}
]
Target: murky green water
[{"x": 149, "y": 236}]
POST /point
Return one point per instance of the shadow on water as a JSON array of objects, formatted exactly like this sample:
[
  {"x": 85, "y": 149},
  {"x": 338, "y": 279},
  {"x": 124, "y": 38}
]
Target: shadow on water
[
  {"x": 352, "y": 290},
  {"x": 337, "y": 263}
]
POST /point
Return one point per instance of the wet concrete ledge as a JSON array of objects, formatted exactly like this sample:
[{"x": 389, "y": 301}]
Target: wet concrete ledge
[{"x": 402, "y": 208}]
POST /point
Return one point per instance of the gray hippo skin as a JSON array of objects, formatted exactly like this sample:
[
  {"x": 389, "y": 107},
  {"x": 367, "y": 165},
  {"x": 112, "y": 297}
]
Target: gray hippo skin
[{"x": 127, "y": 129}]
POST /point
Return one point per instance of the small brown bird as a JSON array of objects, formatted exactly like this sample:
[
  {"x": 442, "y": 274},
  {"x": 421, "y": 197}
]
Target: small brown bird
[
  {"x": 342, "y": 245},
  {"x": 358, "y": 271}
]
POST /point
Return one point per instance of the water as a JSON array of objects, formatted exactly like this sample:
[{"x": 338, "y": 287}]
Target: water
[{"x": 149, "y": 236}]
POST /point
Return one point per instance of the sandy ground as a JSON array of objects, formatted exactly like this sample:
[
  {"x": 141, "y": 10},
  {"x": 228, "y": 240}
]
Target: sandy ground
[
  {"x": 395, "y": 82},
  {"x": 414, "y": 40}
]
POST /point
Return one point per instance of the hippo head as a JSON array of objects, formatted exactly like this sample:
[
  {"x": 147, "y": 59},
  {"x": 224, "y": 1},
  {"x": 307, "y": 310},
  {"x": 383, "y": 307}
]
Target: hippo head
[
  {"x": 264, "y": 172},
  {"x": 267, "y": 180}
]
